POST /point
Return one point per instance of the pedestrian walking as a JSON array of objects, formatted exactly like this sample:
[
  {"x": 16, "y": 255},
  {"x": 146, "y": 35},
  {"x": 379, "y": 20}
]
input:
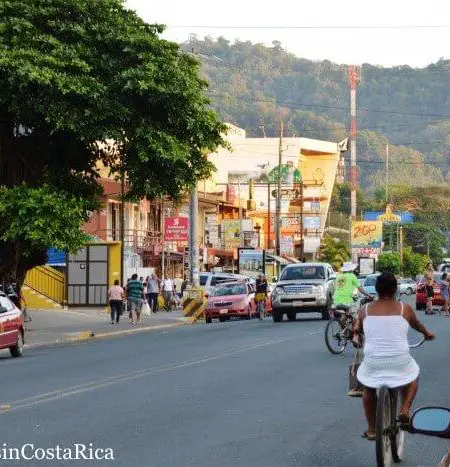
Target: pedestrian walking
[
  {"x": 177, "y": 285},
  {"x": 261, "y": 295},
  {"x": 153, "y": 290},
  {"x": 445, "y": 285},
  {"x": 168, "y": 290},
  {"x": 429, "y": 289},
  {"x": 135, "y": 290},
  {"x": 116, "y": 295}
]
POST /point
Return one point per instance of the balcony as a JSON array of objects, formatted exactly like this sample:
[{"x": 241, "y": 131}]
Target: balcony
[{"x": 139, "y": 240}]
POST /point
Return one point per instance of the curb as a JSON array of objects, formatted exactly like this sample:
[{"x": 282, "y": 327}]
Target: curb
[{"x": 89, "y": 335}]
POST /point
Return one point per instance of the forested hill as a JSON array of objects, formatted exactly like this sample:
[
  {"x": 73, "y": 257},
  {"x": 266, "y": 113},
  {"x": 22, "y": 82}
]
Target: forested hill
[{"x": 250, "y": 85}]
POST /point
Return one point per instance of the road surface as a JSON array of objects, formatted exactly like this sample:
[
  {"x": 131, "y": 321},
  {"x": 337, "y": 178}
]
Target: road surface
[{"x": 242, "y": 393}]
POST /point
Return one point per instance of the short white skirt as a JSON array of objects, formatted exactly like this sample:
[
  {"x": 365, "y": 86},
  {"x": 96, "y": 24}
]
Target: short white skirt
[{"x": 392, "y": 372}]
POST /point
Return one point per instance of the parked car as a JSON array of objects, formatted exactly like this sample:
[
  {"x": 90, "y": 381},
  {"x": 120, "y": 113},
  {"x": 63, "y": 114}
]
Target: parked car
[
  {"x": 303, "y": 288},
  {"x": 230, "y": 299},
  {"x": 12, "y": 328},
  {"x": 208, "y": 280},
  {"x": 421, "y": 296},
  {"x": 444, "y": 267},
  {"x": 407, "y": 286}
]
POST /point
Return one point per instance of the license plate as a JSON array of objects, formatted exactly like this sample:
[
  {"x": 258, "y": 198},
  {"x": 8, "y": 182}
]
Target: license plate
[
  {"x": 223, "y": 312},
  {"x": 297, "y": 303}
]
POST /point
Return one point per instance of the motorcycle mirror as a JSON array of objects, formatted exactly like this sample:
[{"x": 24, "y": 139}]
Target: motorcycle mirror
[{"x": 432, "y": 421}]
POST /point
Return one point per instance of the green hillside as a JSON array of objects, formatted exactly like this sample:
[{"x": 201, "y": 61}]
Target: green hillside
[{"x": 251, "y": 85}]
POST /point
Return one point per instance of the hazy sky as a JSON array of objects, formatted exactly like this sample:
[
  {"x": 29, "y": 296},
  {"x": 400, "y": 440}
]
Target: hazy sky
[{"x": 413, "y": 46}]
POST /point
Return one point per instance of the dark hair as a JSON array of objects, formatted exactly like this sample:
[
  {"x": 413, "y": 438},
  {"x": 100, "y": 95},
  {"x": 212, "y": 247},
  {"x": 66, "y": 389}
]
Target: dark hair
[
  {"x": 444, "y": 276},
  {"x": 116, "y": 282},
  {"x": 386, "y": 285},
  {"x": 134, "y": 277}
]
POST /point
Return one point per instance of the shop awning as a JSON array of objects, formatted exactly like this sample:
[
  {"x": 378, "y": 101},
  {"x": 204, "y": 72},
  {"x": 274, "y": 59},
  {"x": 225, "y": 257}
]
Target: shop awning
[
  {"x": 277, "y": 259},
  {"x": 221, "y": 253}
]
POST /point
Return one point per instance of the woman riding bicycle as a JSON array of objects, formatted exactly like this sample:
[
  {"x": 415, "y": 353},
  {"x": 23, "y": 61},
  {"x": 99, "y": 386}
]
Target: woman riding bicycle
[{"x": 387, "y": 361}]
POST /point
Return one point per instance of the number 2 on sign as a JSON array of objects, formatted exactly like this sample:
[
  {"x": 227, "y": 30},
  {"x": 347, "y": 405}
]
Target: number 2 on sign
[{"x": 363, "y": 230}]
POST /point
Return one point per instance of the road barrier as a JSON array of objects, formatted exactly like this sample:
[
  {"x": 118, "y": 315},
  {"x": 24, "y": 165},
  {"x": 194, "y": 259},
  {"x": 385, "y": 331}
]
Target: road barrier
[{"x": 194, "y": 305}]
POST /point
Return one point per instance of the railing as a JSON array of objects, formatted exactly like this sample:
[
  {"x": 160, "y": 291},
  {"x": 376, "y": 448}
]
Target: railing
[
  {"x": 48, "y": 282},
  {"x": 137, "y": 239}
]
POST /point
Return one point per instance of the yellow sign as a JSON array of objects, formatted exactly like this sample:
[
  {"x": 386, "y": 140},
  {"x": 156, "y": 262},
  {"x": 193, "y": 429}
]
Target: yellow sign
[
  {"x": 367, "y": 234},
  {"x": 389, "y": 216},
  {"x": 231, "y": 233}
]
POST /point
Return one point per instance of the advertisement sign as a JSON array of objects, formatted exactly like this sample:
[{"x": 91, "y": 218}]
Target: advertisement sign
[
  {"x": 289, "y": 225},
  {"x": 405, "y": 217},
  {"x": 311, "y": 222},
  {"x": 311, "y": 206},
  {"x": 251, "y": 262},
  {"x": 251, "y": 238},
  {"x": 212, "y": 230},
  {"x": 287, "y": 245},
  {"x": 231, "y": 231},
  {"x": 366, "y": 238},
  {"x": 366, "y": 266},
  {"x": 311, "y": 244},
  {"x": 176, "y": 229}
]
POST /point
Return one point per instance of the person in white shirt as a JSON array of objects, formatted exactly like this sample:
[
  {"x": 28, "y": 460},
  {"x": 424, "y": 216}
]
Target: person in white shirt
[{"x": 167, "y": 288}]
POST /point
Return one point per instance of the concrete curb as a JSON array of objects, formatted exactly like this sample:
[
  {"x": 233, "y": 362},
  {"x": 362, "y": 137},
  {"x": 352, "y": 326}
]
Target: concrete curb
[{"x": 90, "y": 335}]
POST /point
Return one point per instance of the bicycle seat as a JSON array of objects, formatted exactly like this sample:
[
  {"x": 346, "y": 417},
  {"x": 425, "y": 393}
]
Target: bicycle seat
[{"x": 341, "y": 307}]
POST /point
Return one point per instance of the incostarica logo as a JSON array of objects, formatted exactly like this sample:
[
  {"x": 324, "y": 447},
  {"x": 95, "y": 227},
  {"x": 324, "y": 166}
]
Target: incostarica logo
[{"x": 77, "y": 451}]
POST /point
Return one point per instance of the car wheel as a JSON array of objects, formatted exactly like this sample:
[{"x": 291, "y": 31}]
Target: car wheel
[
  {"x": 222, "y": 319},
  {"x": 326, "y": 314},
  {"x": 292, "y": 316},
  {"x": 208, "y": 319},
  {"x": 17, "y": 350},
  {"x": 277, "y": 315},
  {"x": 420, "y": 306}
]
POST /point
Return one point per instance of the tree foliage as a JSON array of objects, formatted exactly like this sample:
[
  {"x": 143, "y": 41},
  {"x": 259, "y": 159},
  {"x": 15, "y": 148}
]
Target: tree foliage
[
  {"x": 83, "y": 80},
  {"x": 389, "y": 262},
  {"x": 334, "y": 251},
  {"x": 413, "y": 263}
]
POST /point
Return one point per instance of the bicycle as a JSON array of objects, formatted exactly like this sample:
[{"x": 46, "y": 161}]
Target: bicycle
[
  {"x": 339, "y": 329},
  {"x": 390, "y": 438}
]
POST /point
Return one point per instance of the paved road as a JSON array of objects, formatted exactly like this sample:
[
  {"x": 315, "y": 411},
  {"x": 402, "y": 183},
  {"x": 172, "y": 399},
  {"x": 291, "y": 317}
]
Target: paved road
[{"x": 228, "y": 394}]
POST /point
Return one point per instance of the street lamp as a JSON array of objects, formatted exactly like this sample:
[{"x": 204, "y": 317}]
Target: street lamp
[{"x": 258, "y": 231}]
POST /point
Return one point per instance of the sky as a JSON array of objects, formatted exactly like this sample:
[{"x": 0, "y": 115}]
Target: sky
[{"x": 419, "y": 35}]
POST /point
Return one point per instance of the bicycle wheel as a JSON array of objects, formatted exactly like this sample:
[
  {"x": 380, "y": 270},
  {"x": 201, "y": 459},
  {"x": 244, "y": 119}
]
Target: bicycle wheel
[
  {"x": 383, "y": 428},
  {"x": 335, "y": 338},
  {"x": 398, "y": 437}
]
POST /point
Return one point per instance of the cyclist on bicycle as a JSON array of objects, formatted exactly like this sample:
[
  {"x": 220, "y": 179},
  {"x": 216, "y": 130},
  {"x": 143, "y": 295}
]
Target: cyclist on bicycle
[
  {"x": 387, "y": 361},
  {"x": 345, "y": 285}
]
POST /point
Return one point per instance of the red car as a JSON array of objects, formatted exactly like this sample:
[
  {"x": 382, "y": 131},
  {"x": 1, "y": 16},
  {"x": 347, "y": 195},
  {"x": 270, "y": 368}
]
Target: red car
[
  {"x": 12, "y": 329},
  {"x": 230, "y": 299},
  {"x": 421, "y": 296}
]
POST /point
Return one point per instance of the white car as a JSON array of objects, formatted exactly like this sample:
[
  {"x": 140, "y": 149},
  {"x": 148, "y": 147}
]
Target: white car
[
  {"x": 407, "y": 286},
  {"x": 208, "y": 280}
]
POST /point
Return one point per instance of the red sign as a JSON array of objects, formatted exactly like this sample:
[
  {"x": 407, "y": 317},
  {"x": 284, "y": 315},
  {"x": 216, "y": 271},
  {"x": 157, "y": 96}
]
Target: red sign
[{"x": 176, "y": 229}]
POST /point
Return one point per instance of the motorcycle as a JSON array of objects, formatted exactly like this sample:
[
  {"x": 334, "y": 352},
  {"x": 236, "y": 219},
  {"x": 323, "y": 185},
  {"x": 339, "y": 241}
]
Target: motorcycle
[{"x": 433, "y": 421}]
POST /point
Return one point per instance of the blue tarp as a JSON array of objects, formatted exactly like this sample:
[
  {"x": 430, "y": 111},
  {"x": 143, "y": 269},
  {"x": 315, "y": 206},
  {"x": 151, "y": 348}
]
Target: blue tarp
[
  {"x": 56, "y": 257},
  {"x": 406, "y": 217}
]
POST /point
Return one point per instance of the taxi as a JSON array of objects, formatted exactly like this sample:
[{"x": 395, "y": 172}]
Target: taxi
[{"x": 12, "y": 328}]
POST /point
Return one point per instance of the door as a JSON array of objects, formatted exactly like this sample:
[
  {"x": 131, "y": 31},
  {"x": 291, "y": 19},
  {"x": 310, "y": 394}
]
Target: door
[{"x": 9, "y": 322}]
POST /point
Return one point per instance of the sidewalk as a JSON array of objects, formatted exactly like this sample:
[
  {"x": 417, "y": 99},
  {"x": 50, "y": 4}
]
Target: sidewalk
[{"x": 61, "y": 326}]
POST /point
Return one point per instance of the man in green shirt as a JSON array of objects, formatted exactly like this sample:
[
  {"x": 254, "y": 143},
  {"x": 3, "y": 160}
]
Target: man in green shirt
[
  {"x": 135, "y": 290},
  {"x": 345, "y": 284}
]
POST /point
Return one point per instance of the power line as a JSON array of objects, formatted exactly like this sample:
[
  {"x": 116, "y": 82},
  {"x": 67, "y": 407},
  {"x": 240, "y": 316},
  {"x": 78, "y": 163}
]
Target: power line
[{"x": 335, "y": 26}]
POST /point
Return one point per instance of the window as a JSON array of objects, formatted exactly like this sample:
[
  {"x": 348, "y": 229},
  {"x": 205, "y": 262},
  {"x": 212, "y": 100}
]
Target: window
[
  {"x": 303, "y": 273},
  {"x": 5, "y": 304},
  {"x": 203, "y": 279},
  {"x": 230, "y": 289}
]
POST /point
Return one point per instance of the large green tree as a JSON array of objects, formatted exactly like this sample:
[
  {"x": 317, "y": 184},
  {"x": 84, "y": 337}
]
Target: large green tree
[{"x": 83, "y": 80}]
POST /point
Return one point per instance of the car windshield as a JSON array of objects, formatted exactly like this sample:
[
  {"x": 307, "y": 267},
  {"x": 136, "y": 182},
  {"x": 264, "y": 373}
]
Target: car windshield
[
  {"x": 203, "y": 279},
  {"x": 303, "y": 272},
  {"x": 229, "y": 289},
  {"x": 370, "y": 281}
]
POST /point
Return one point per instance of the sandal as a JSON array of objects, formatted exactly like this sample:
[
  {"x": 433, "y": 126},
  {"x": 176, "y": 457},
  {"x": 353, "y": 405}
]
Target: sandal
[
  {"x": 404, "y": 421},
  {"x": 368, "y": 436}
]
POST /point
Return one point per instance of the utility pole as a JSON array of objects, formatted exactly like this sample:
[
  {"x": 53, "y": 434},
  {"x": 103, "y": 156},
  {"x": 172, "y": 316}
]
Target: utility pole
[
  {"x": 194, "y": 273},
  {"x": 122, "y": 228},
  {"x": 387, "y": 173},
  {"x": 353, "y": 80},
  {"x": 241, "y": 233},
  {"x": 278, "y": 206},
  {"x": 163, "y": 238}
]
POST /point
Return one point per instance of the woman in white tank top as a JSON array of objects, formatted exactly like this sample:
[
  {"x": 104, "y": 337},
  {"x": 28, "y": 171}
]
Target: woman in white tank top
[{"x": 387, "y": 361}]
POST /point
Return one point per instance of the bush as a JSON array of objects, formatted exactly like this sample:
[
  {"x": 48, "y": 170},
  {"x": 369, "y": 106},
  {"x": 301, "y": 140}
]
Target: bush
[{"x": 389, "y": 262}]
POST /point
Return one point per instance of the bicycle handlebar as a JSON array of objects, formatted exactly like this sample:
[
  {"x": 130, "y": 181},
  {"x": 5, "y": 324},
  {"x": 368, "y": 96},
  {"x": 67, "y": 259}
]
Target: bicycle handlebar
[{"x": 418, "y": 344}]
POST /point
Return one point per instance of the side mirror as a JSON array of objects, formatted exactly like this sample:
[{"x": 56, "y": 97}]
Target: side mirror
[
  {"x": 332, "y": 278},
  {"x": 432, "y": 421}
]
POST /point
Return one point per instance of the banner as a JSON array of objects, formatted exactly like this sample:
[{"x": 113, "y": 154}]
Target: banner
[
  {"x": 366, "y": 238},
  {"x": 287, "y": 245},
  {"x": 311, "y": 222},
  {"x": 289, "y": 225},
  {"x": 176, "y": 229},
  {"x": 212, "y": 230},
  {"x": 251, "y": 262}
]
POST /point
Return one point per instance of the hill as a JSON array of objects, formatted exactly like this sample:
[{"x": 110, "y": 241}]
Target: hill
[{"x": 251, "y": 85}]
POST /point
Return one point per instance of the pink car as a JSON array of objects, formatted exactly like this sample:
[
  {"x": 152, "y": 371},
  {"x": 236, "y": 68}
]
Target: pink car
[{"x": 230, "y": 299}]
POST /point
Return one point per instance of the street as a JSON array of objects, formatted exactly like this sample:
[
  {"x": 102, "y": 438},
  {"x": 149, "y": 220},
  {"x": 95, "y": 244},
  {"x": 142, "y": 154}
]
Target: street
[{"x": 227, "y": 394}]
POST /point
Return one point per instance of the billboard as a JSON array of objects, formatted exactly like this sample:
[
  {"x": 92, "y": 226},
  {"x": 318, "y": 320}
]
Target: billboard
[
  {"x": 231, "y": 229},
  {"x": 176, "y": 229},
  {"x": 366, "y": 238},
  {"x": 311, "y": 222},
  {"x": 405, "y": 217},
  {"x": 251, "y": 262},
  {"x": 287, "y": 245}
]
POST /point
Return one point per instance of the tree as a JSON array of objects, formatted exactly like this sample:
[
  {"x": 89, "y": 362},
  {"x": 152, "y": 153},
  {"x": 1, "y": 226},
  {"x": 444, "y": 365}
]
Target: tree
[
  {"x": 389, "y": 262},
  {"x": 426, "y": 240},
  {"x": 333, "y": 251},
  {"x": 83, "y": 80},
  {"x": 413, "y": 263}
]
